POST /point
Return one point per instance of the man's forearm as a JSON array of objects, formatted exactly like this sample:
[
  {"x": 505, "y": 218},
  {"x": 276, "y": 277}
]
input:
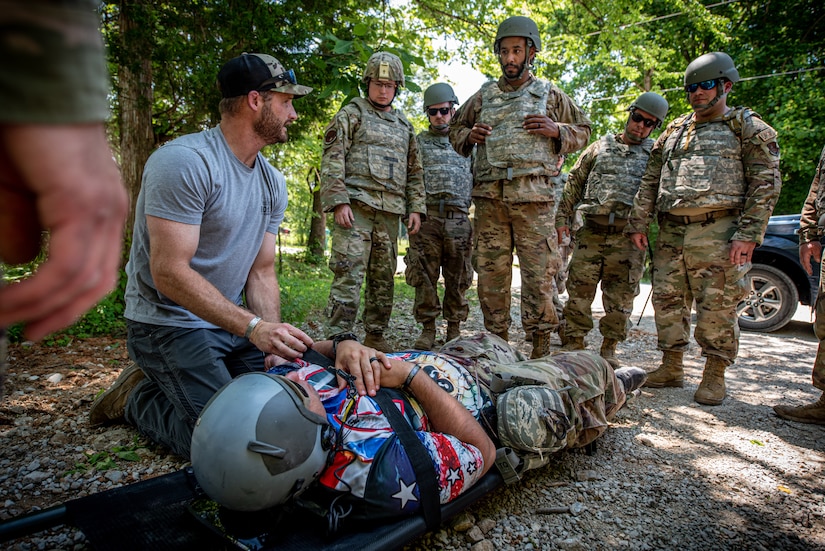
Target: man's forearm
[
  {"x": 448, "y": 416},
  {"x": 263, "y": 296}
]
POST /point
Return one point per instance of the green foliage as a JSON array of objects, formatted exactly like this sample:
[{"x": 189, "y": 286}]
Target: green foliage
[
  {"x": 304, "y": 288},
  {"x": 108, "y": 459}
]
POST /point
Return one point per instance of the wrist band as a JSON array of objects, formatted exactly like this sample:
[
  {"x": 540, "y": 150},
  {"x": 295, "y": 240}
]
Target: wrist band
[
  {"x": 251, "y": 326},
  {"x": 413, "y": 372},
  {"x": 339, "y": 338}
]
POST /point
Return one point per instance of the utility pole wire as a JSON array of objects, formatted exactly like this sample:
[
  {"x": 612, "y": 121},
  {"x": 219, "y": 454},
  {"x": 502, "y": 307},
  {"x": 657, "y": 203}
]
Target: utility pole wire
[{"x": 679, "y": 88}]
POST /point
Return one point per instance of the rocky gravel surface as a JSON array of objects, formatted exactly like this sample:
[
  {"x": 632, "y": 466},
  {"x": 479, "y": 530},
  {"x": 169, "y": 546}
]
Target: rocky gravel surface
[{"x": 669, "y": 474}]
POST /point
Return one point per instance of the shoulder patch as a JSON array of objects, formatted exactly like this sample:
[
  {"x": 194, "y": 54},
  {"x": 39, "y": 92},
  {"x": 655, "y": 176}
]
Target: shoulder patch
[
  {"x": 767, "y": 135},
  {"x": 330, "y": 136}
]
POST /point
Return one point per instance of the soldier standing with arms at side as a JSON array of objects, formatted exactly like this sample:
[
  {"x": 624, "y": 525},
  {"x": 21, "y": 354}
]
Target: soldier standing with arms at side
[
  {"x": 370, "y": 177},
  {"x": 602, "y": 185},
  {"x": 810, "y": 232},
  {"x": 520, "y": 125},
  {"x": 713, "y": 177},
  {"x": 444, "y": 242}
]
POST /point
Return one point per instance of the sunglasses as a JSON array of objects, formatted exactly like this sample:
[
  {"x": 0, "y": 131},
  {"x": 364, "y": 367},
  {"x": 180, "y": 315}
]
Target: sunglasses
[
  {"x": 704, "y": 85},
  {"x": 649, "y": 123},
  {"x": 287, "y": 77},
  {"x": 433, "y": 111}
]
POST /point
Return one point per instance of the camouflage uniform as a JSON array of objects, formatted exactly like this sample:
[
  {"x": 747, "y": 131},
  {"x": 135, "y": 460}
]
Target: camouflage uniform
[
  {"x": 590, "y": 392},
  {"x": 729, "y": 168},
  {"x": 444, "y": 241},
  {"x": 513, "y": 197},
  {"x": 602, "y": 185},
  {"x": 370, "y": 162},
  {"x": 809, "y": 230},
  {"x": 560, "y": 280}
]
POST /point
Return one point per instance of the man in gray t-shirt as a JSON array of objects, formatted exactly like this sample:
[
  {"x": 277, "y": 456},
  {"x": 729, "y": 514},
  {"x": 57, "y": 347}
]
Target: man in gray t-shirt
[{"x": 202, "y": 298}]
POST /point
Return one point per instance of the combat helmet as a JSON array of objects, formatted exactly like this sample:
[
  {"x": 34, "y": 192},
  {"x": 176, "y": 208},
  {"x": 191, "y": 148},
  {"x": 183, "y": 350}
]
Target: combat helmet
[
  {"x": 518, "y": 25},
  {"x": 711, "y": 66},
  {"x": 439, "y": 92},
  {"x": 384, "y": 66},
  {"x": 652, "y": 103},
  {"x": 257, "y": 444}
]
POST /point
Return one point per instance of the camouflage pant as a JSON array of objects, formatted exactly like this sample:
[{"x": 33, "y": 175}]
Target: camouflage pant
[
  {"x": 819, "y": 329},
  {"x": 692, "y": 261},
  {"x": 443, "y": 244},
  {"x": 529, "y": 229},
  {"x": 595, "y": 395},
  {"x": 612, "y": 259},
  {"x": 369, "y": 248}
]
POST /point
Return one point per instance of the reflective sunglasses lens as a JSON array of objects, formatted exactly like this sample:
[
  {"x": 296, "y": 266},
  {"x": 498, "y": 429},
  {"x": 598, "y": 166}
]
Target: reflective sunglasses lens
[
  {"x": 704, "y": 85},
  {"x": 434, "y": 111}
]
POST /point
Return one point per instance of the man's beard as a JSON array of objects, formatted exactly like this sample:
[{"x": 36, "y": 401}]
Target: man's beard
[
  {"x": 520, "y": 68},
  {"x": 269, "y": 128}
]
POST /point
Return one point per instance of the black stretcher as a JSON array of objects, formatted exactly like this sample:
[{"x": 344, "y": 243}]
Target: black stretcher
[{"x": 163, "y": 513}]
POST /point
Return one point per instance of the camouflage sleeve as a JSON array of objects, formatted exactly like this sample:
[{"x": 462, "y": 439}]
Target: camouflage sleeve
[
  {"x": 415, "y": 193},
  {"x": 574, "y": 126},
  {"x": 760, "y": 159},
  {"x": 809, "y": 223},
  {"x": 574, "y": 188},
  {"x": 462, "y": 123},
  {"x": 337, "y": 141},
  {"x": 644, "y": 203}
]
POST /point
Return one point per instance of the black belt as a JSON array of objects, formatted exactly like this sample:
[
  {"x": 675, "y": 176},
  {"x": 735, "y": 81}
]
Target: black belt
[
  {"x": 713, "y": 215},
  {"x": 618, "y": 227}
]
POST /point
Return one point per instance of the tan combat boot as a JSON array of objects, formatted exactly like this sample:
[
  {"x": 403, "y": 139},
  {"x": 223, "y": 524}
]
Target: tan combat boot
[
  {"x": 711, "y": 390},
  {"x": 541, "y": 345},
  {"x": 376, "y": 340},
  {"x": 608, "y": 352},
  {"x": 670, "y": 373},
  {"x": 812, "y": 413},
  {"x": 453, "y": 330},
  {"x": 110, "y": 406},
  {"x": 426, "y": 340},
  {"x": 573, "y": 343}
]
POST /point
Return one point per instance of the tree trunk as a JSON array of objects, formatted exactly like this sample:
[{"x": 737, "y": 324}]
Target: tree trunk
[
  {"x": 135, "y": 97},
  {"x": 318, "y": 226}
]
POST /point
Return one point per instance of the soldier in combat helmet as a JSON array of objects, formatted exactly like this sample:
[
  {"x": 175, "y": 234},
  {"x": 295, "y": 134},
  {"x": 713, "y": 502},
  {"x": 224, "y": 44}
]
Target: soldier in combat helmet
[
  {"x": 713, "y": 178},
  {"x": 602, "y": 185},
  {"x": 444, "y": 242},
  {"x": 371, "y": 177},
  {"x": 518, "y": 126}
]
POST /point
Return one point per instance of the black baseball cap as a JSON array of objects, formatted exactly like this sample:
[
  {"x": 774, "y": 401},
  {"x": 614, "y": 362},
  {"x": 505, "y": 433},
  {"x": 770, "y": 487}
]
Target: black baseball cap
[{"x": 240, "y": 75}]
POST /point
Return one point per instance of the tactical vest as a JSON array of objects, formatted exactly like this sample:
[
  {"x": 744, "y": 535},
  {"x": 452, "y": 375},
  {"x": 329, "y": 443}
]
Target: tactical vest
[
  {"x": 447, "y": 175},
  {"x": 615, "y": 176},
  {"x": 377, "y": 158},
  {"x": 702, "y": 164},
  {"x": 509, "y": 151}
]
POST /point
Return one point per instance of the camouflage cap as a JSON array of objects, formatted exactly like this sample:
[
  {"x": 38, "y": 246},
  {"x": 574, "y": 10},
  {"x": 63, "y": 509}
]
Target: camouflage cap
[
  {"x": 261, "y": 72},
  {"x": 532, "y": 418}
]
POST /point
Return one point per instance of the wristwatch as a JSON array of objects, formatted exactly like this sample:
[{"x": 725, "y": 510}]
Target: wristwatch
[{"x": 339, "y": 338}]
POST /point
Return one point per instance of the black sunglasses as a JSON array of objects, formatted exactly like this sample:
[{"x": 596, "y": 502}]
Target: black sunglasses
[
  {"x": 649, "y": 123},
  {"x": 704, "y": 85},
  {"x": 287, "y": 77},
  {"x": 433, "y": 111}
]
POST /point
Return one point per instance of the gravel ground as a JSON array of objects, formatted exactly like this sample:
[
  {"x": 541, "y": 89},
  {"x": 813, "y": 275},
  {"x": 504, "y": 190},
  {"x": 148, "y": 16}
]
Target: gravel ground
[{"x": 669, "y": 474}]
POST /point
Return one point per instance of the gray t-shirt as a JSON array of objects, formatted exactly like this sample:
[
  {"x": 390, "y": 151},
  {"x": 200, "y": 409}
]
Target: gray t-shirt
[{"x": 196, "y": 179}]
